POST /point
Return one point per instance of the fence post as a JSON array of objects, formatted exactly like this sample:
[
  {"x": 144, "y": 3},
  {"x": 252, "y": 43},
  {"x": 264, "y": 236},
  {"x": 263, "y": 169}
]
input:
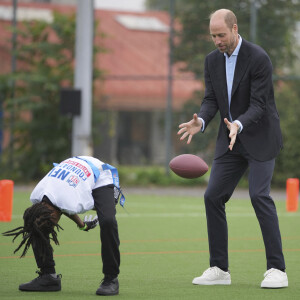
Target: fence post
[{"x": 6, "y": 200}]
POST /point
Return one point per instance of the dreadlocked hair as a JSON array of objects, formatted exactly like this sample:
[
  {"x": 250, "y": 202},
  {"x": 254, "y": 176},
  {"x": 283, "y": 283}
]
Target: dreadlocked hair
[{"x": 38, "y": 228}]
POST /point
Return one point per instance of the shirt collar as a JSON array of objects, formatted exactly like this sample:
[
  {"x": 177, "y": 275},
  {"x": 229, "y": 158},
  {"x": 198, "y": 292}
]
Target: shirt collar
[{"x": 237, "y": 48}]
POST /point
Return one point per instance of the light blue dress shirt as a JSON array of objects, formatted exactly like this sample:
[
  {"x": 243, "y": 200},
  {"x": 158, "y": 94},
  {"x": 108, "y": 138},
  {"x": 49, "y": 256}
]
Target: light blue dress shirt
[{"x": 230, "y": 62}]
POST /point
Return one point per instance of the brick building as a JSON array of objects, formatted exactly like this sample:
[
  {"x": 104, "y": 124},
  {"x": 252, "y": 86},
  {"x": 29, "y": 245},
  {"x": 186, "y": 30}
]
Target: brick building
[{"x": 132, "y": 96}]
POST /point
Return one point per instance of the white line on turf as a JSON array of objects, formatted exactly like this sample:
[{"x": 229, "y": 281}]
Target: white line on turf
[{"x": 185, "y": 215}]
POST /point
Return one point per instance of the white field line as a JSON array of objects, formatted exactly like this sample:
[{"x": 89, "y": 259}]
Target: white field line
[{"x": 185, "y": 215}]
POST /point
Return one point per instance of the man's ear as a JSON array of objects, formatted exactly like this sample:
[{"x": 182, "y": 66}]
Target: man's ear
[{"x": 235, "y": 28}]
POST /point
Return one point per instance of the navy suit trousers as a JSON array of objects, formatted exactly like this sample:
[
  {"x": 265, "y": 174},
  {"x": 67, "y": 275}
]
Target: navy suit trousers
[{"x": 226, "y": 172}]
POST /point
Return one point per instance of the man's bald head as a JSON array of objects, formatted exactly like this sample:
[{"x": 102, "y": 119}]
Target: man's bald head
[
  {"x": 224, "y": 30},
  {"x": 227, "y": 15}
]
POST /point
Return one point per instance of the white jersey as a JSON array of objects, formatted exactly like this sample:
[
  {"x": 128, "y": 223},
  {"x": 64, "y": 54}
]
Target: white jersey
[{"x": 69, "y": 185}]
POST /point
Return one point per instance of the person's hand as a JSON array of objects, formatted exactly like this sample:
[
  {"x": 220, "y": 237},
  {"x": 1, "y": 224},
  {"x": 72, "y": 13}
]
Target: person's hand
[
  {"x": 233, "y": 128},
  {"x": 89, "y": 223},
  {"x": 190, "y": 128}
]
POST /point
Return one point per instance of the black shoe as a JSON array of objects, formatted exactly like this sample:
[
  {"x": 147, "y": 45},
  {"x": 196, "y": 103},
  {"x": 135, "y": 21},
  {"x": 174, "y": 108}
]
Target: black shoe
[
  {"x": 43, "y": 283},
  {"x": 108, "y": 287}
]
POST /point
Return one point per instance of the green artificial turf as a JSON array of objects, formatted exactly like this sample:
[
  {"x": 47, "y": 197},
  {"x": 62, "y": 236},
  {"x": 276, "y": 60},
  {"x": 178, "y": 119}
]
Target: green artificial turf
[{"x": 163, "y": 247}]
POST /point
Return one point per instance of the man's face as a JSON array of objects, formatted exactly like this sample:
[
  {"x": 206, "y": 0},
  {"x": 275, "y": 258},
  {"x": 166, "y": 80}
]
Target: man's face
[{"x": 225, "y": 39}]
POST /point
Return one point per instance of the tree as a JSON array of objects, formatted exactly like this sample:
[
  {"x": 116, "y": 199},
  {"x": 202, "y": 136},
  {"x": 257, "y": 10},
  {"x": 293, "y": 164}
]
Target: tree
[
  {"x": 276, "y": 24},
  {"x": 45, "y": 55},
  {"x": 4, "y": 92},
  {"x": 287, "y": 163}
]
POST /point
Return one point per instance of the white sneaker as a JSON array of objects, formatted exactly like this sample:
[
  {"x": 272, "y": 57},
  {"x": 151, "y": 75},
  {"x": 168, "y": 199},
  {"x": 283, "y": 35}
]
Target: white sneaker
[
  {"x": 213, "y": 276},
  {"x": 274, "y": 279}
]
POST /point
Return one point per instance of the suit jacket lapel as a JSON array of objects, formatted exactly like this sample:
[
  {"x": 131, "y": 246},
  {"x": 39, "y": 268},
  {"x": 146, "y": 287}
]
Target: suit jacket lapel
[
  {"x": 240, "y": 67},
  {"x": 220, "y": 74}
]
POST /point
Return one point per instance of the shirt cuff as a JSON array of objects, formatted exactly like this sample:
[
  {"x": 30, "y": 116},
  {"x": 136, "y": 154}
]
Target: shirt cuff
[
  {"x": 240, "y": 125},
  {"x": 203, "y": 124}
]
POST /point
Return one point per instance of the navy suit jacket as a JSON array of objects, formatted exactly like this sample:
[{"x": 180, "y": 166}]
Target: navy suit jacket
[{"x": 252, "y": 101}]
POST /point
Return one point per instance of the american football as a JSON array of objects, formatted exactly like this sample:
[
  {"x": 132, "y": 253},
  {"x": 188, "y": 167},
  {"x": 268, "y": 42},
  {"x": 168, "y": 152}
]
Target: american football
[{"x": 188, "y": 166}]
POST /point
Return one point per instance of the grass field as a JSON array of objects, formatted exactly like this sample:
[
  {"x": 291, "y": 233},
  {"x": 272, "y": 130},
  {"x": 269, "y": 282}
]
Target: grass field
[{"x": 163, "y": 247}]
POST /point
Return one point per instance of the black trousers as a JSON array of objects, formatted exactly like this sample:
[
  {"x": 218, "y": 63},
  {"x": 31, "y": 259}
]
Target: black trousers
[
  {"x": 106, "y": 211},
  {"x": 226, "y": 172}
]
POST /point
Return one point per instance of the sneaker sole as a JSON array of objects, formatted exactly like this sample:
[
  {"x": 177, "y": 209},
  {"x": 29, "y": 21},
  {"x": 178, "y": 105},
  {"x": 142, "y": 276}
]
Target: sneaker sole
[
  {"x": 46, "y": 289},
  {"x": 279, "y": 285},
  {"x": 107, "y": 294},
  {"x": 219, "y": 282}
]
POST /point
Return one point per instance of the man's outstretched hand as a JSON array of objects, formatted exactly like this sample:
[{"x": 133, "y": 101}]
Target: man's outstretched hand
[
  {"x": 233, "y": 128},
  {"x": 190, "y": 128}
]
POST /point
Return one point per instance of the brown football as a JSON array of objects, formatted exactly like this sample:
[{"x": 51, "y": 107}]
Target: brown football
[{"x": 188, "y": 166}]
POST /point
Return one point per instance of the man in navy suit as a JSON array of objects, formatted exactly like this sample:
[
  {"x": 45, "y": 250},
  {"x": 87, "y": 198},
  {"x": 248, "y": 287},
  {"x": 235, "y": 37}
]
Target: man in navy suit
[{"x": 238, "y": 85}]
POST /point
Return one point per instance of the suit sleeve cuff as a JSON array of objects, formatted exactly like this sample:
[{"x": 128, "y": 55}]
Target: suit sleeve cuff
[
  {"x": 203, "y": 124},
  {"x": 240, "y": 125}
]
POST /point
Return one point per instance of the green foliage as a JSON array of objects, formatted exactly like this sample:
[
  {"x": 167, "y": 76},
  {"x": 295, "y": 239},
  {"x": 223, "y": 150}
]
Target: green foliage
[
  {"x": 41, "y": 134},
  {"x": 276, "y": 23},
  {"x": 4, "y": 91},
  {"x": 288, "y": 162},
  {"x": 45, "y": 55}
]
